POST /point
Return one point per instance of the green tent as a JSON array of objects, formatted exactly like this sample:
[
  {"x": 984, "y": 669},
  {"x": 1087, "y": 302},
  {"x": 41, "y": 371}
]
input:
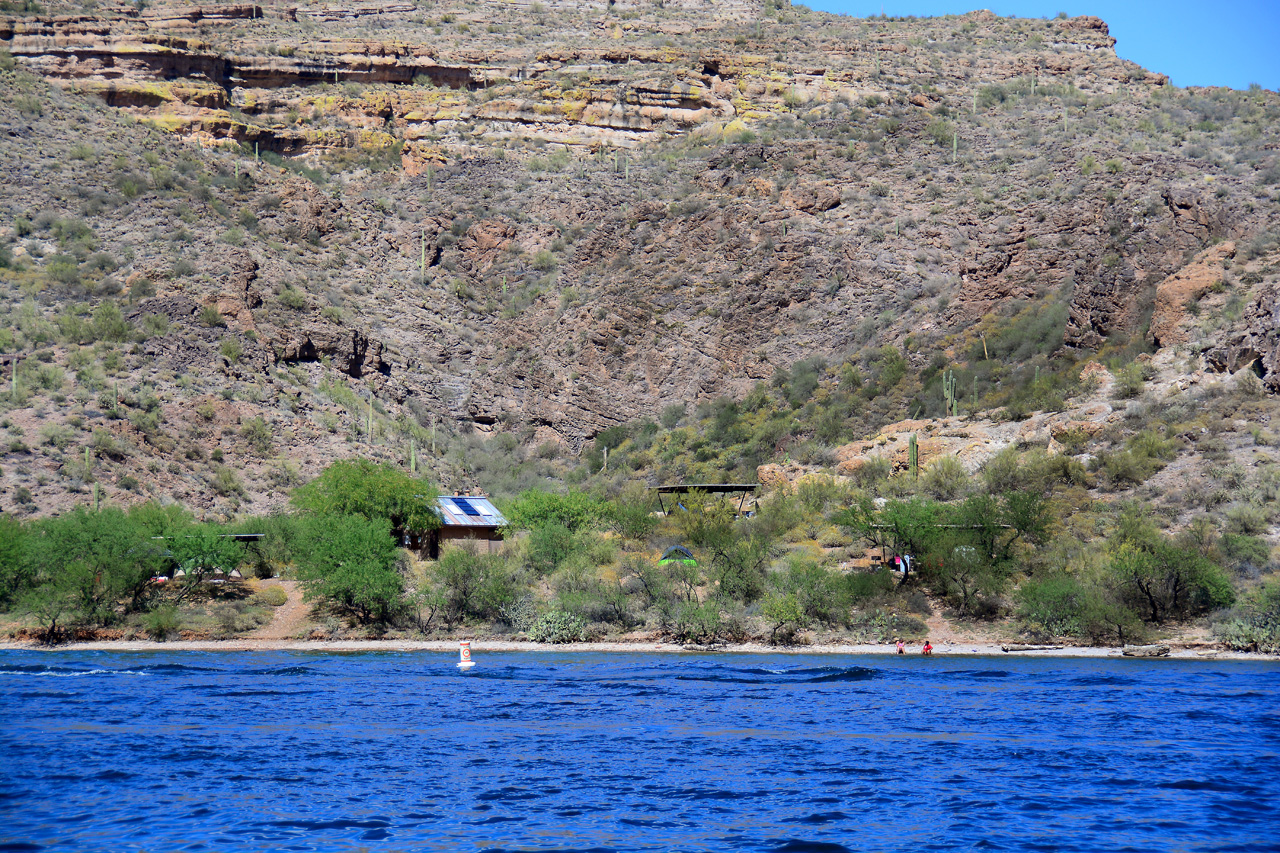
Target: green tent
[{"x": 678, "y": 554}]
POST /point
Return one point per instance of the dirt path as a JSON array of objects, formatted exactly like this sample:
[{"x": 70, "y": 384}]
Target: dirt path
[
  {"x": 290, "y": 620},
  {"x": 944, "y": 633}
]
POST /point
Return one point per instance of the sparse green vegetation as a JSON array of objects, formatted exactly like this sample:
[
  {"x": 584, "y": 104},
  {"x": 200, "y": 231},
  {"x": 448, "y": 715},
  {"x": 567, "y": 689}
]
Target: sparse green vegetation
[{"x": 566, "y": 325}]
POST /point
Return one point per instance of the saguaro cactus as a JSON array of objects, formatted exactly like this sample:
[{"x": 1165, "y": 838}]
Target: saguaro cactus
[
  {"x": 913, "y": 456},
  {"x": 949, "y": 393}
]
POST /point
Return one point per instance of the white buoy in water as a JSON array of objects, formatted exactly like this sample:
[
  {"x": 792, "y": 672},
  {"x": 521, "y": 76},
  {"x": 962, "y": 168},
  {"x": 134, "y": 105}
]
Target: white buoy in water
[{"x": 464, "y": 652}]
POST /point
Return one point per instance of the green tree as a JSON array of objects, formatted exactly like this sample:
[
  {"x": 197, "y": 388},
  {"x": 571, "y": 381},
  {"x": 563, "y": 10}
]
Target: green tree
[
  {"x": 200, "y": 550},
  {"x": 157, "y": 519},
  {"x": 631, "y": 513},
  {"x": 1028, "y": 517},
  {"x": 575, "y": 510},
  {"x": 350, "y": 562},
  {"x": 15, "y": 575},
  {"x": 817, "y": 591},
  {"x": 548, "y": 545},
  {"x": 961, "y": 571},
  {"x": 376, "y": 492},
  {"x": 276, "y": 547},
  {"x": 735, "y": 552},
  {"x": 1163, "y": 581},
  {"x": 470, "y": 584},
  {"x": 114, "y": 558},
  {"x": 56, "y": 603},
  {"x": 783, "y": 611},
  {"x": 903, "y": 527}
]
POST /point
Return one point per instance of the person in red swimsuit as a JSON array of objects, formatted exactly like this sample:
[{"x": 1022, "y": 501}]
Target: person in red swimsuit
[{"x": 928, "y": 649}]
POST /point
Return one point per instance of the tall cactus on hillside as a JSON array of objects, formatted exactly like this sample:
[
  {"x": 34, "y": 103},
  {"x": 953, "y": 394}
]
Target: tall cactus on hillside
[
  {"x": 913, "y": 457},
  {"x": 949, "y": 393}
]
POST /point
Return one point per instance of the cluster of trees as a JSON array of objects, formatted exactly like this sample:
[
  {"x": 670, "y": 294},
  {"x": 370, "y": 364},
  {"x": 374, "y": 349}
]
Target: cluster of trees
[
  {"x": 599, "y": 561},
  {"x": 95, "y": 568},
  {"x": 967, "y": 551},
  {"x": 1137, "y": 578},
  {"x": 971, "y": 552},
  {"x": 585, "y": 564}
]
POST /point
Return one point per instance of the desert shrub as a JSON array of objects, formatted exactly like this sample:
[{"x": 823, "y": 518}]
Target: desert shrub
[
  {"x": 946, "y": 479},
  {"x": 1129, "y": 382},
  {"x": 695, "y": 622},
  {"x": 109, "y": 323},
  {"x": 816, "y": 591},
  {"x": 238, "y": 617},
  {"x": 557, "y": 626},
  {"x": 474, "y": 585},
  {"x": 63, "y": 269},
  {"x": 210, "y": 316},
  {"x": 548, "y": 545},
  {"x": 878, "y": 626},
  {"x": 1255, "y": 625},
  {"x": 816, "y": 493},
  {"x": 1054, "y": 605},
  {"x": 1247, "y": 520},
  {"x": 48, "y": 377},
  {"x": 1125, "y": 468},
  {"x": 631, "y": 513},
  {"x": 873, "y": 472},
  {"x": 155, "y": 325},
  {"x": 1244, "y": 552},
  {"x": 1033, "y": 471},
  {"x": 273, "y": 596},
  {"x": 257, "y": 432},
  {"x": 940, "y": 131},
  {"x": 226, "y": 482},
  {"x": 1153, "y": 445},
  {"x": 161, "y": 623},
  {"x": 784, "y": 614},
  {"x": 28, "y": 104},
  {"x": 862, "y": 586}
]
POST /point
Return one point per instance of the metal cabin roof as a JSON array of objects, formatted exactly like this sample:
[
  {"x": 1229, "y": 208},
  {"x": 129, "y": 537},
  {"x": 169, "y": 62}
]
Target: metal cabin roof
[{"x": 468, "y": 511}]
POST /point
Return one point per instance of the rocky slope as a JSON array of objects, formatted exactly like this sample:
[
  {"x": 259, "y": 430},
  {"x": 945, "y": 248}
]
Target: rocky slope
[{"x": 546, "y": 220}]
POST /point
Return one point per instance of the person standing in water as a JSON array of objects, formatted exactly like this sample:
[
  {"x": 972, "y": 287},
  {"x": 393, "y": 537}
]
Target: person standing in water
[{"x": 928, "y": 648}]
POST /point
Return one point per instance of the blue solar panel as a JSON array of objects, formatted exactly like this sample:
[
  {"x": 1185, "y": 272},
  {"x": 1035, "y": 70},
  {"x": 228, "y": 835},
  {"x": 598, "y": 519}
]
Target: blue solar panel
[{"x": 466, "y": 506}]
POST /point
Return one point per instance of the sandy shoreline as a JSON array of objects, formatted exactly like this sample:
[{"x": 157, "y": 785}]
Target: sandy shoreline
[{"x": 479, "y": 647}]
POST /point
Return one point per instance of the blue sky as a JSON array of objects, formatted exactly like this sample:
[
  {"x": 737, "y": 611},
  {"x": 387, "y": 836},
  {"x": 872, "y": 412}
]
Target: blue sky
[{"x": 1225, "y": 43}]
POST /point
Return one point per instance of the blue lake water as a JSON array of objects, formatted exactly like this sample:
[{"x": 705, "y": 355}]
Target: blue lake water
[{"x": 543, "y": 751}]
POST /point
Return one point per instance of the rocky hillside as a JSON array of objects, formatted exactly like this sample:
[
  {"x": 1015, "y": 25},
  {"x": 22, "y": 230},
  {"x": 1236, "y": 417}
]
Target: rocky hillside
[{"x": 237, "y": 242}]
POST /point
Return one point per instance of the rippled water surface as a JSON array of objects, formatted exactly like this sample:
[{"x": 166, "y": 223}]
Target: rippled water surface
[{"x": 540, "y": 751}]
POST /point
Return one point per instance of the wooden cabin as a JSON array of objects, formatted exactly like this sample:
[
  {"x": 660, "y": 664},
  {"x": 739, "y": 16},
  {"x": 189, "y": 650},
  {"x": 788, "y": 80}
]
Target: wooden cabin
[{"x": 465, "y": 518}]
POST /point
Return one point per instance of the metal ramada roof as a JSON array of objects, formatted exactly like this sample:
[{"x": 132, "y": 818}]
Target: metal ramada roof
[{"x": 453, "y": 511}]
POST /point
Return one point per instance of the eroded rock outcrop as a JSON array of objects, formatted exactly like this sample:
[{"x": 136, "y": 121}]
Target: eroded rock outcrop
[{"x": 1176, "y": 292}]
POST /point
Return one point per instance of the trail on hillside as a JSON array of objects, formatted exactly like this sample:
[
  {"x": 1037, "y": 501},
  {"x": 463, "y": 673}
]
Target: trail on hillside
[{"x": 290, "y": 619}]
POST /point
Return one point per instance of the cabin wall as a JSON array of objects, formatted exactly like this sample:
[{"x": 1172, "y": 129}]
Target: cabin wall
[{"x": 486, "y": 540}]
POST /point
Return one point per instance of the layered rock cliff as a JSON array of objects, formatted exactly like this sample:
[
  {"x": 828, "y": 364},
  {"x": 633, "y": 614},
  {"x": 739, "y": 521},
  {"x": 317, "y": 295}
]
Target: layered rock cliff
[{"x": 548, "y": 219}]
